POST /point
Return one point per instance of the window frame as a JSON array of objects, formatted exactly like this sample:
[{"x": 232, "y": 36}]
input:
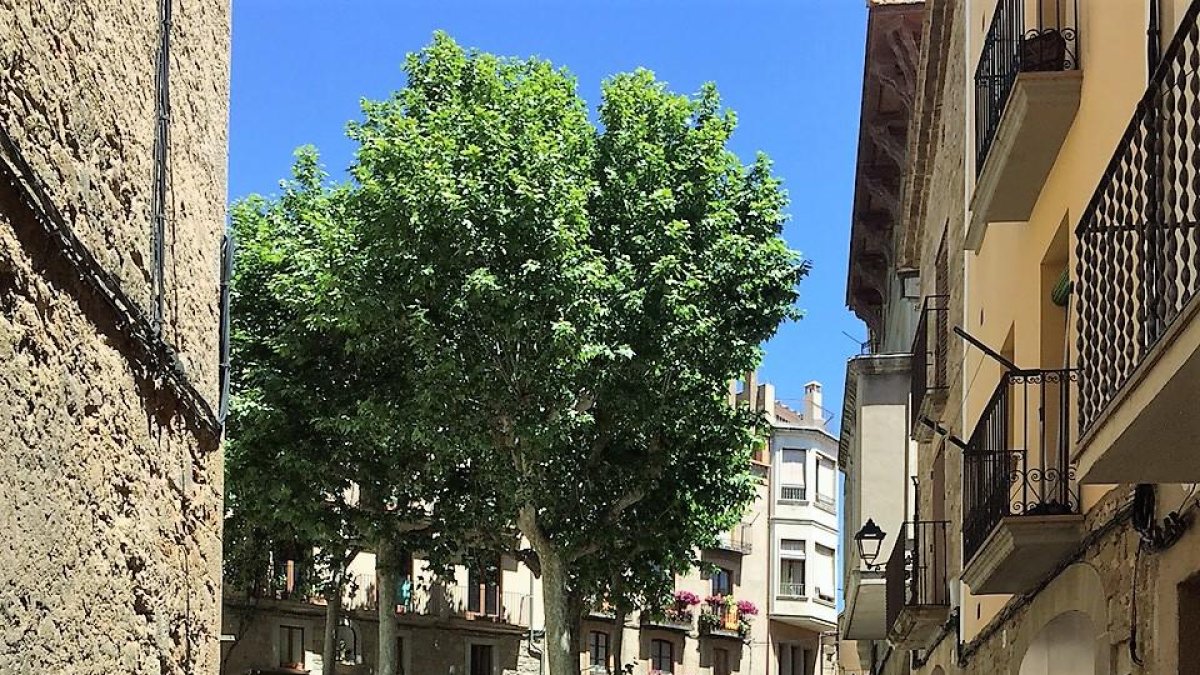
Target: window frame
[
  {"x": 656, "y": 656},
  {"x": 785, "y": 485},
  {"x": 596, "y": 645},
  {"x": 718, "y": 574},
  {"x": 286, "y": 631}
]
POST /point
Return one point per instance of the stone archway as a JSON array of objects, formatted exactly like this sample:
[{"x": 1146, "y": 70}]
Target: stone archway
[
  {"x": 1065, "y": 646},
  {"x": 1065, "y": 629}
]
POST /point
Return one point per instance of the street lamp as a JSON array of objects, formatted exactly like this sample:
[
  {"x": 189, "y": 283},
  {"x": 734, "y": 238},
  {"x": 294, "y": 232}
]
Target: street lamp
[{"x": 869, "y": 539}]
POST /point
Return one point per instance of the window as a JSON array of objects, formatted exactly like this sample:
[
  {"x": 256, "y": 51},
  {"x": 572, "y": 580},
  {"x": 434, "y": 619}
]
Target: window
[
  {"x": 793, "y": 660},
  {"x": 791, "y": 567},
  {"x": 598, "y": 652},
  {"x": 481, "y": 660},
  {"x": 291, "y": 647},
  {"x": 483, "y": 589},
  {"x": 721, "y": 662},
  {"x": 662, "y": 656},
  {"x": 825, "y": 584},
  {"x": 722, "y": 582},
  {"x": 826, "y": 482},
  {"x": 791, "y": 475}
]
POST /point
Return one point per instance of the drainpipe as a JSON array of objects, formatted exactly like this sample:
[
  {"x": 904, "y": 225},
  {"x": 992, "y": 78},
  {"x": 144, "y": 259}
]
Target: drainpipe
[{"x": 1153, "y": 40}]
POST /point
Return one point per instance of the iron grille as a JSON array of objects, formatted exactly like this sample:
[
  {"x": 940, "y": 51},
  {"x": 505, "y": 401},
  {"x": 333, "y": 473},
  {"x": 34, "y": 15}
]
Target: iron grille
[
  {"x": 1017, "y": 461},
  {"x": 1138, "y": 244},
  {"x": 929, "y": 353},
  {"x": 916, "y": 571},
  {"x": 1018, "y": 43}
]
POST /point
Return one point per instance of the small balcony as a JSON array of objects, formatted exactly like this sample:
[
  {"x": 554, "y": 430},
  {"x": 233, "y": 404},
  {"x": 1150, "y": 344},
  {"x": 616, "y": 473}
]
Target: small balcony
[
  {"x": 1027, "y": 87},
  {"x": 485, "y": 604},
  {"x": 726, "y": 618},
  {"x": 737, "y": 540},
  {"x": 1138, "y": 288},
  {"x": 1020, "y": 499},
  {"x": 677, "y": 616},
  {"x": 930, "y": 379},
  {"x": 918, "y": 589}
]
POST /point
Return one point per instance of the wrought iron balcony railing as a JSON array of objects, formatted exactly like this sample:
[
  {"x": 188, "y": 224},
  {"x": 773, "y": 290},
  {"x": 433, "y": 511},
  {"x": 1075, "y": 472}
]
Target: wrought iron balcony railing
[
  {"x": 929, "y": 353},
  {"x": 1138, "y": 255},
  {"x": 792, "y": 493},
  {"x": 1018, "y": 458},
  {"x": 791, "y": 589},
  {"x": 1024, "y": 36},
  {"x": 738, "y": 539},
  {"x": 916, "y": 573},
  {"x": 443, "y": 600}
]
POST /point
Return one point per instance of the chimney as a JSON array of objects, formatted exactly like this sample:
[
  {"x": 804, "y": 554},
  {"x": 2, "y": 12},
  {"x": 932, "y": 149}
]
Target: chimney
[
  {"x": 812, "y": 403},
  {"x": 766, "y": 399}
]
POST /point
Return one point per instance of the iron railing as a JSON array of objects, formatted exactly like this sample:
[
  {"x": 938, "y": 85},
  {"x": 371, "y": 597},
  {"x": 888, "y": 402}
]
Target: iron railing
[
  {"x": 916, "y": 572},
  {"x": 1017, "y": 461},
  {"x": 929, "y": 353},
  {"x": 442, "y": 600},
  {"x": 1138, "y": 241},
  {"x": 737, "y": 539},
  {"x": 792, "y": 493},
  {"x": 1024, "y": 36},
  {"x": 791, "y": 589}
]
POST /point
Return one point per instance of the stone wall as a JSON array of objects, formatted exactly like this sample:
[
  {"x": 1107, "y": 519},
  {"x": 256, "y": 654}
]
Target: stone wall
[
  {"x": 77, "y": 97},
  {"x": 110, "y": 484}
]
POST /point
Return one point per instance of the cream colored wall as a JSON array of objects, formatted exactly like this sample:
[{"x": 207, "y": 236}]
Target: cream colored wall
[{"x": 1005, "y": 280}]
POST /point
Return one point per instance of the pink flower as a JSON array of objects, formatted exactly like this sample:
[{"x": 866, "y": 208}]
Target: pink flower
[
  {"x": 747, "y": 608},
  {"x": 687, "y": 598}
]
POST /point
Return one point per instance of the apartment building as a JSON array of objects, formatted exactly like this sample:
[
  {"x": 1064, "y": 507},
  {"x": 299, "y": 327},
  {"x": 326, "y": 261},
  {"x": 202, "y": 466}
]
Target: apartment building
[
  {"x": 764, "y": 603},
  {"x": 112, "y": 210},
  {"x": 1035, "y": 278}
]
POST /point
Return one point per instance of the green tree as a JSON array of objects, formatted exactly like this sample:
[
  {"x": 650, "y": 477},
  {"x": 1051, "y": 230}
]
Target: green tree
[
  {"x": 316, "y": 459},
  {"x": 576, "y": 298}
]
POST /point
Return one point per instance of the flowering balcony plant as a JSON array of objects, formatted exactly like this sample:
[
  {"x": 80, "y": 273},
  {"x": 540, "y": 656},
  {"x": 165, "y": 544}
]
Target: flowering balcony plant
[
  {"x": 684, "y": 599},
  {"x": 678, "y": 613},
  {"x": 727, "y": 615}
]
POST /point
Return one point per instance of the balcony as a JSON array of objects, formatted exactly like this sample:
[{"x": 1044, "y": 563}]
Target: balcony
[
  {"x": 918, "y": 591},
  {"x": 929, "y": 373},
  {"x": 486, "y": 604},
  {"x": 1027, "y": 88},
  {"x": 668, "y": 619},
  {"x": 1138, "y": 273},
  {"x": 724, "y": 618},
  {"x": 1020, "y": 500},
  {"x": 737, "y": 540}
]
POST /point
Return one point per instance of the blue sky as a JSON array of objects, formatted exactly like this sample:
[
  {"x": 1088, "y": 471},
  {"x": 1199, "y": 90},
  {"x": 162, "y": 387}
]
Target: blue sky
[{"x": 792, "y": 69}]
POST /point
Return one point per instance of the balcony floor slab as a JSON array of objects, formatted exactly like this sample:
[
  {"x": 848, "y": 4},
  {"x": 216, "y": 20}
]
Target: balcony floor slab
[
  {"x": 1036, "y": 118},
  {"x": 1021, "y": 551}
]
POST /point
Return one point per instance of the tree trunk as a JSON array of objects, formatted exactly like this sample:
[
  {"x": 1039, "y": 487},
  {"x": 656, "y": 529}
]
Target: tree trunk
[
  {"x": 385, "y": 573},
  {"x": 558, "y": 621},
  {"x": 333, "y": 613},
  {"x": 618, "y": 640},
  {"x": 575, "y": 612}
]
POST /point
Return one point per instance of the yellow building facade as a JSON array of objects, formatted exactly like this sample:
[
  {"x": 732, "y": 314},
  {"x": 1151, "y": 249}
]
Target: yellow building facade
[{"x": 1044, "y": 243}]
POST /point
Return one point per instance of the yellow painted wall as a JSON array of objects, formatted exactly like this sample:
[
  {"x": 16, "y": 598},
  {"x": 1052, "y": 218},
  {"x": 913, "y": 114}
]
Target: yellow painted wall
[{"x": 1007, "y": 276}]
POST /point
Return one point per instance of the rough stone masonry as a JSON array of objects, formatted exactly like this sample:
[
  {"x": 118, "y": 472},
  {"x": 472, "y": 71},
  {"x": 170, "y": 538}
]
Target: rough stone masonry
[{"x": 110, "y": 462}]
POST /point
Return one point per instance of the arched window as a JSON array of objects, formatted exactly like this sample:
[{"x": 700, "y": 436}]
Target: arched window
[
  {"x": 662, "y": 656},
  {"x": 598, "y": 652}
]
